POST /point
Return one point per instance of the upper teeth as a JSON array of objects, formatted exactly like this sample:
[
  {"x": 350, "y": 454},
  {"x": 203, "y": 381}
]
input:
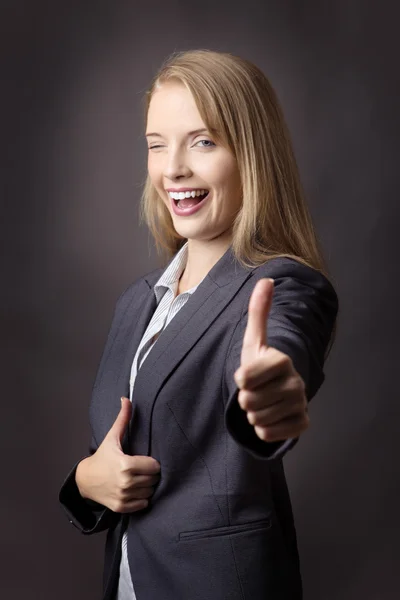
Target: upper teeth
[{"x": 182, "y": 195}]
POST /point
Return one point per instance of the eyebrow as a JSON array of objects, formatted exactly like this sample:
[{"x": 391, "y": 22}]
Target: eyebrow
[{"x": 203, "y": 130}]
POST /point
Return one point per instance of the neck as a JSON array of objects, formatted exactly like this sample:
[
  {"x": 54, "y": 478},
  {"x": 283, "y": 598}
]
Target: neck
[{"x": 202, "y": 256}]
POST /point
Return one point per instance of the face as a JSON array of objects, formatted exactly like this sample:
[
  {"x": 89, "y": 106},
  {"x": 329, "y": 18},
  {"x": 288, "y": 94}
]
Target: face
[{"x": 183, "y": 155}]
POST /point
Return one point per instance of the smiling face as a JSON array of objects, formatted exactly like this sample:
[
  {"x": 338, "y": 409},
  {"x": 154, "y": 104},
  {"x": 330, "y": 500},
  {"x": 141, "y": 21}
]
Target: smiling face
[{"x": 183, "y": 154}]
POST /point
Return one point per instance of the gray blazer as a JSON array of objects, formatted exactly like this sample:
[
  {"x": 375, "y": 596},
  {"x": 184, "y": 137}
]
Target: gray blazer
[{"x": 219, "y": 525}]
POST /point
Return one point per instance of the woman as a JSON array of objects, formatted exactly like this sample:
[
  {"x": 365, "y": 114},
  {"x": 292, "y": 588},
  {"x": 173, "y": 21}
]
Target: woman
[{"x": 219, "y": 352}]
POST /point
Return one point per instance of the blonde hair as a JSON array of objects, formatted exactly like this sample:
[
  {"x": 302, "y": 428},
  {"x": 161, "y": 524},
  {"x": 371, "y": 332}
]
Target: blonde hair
[{"x": 237, "y": 102}]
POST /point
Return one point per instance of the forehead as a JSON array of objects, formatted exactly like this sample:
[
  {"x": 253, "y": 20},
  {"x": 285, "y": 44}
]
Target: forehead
[{"x": 172, "y": 106}]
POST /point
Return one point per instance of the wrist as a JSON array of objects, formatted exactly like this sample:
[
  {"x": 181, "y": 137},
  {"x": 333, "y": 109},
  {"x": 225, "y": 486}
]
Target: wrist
[{"x": 81, "y": 477}]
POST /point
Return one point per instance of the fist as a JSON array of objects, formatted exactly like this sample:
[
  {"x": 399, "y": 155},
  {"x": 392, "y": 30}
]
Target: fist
[
  {"x": 271, "y": 391},
  {"x": 121, "y": 482}
]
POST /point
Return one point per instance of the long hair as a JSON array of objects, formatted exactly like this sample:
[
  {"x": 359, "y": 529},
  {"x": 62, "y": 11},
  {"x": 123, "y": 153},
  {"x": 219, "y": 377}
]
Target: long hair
[{"x": 237, "y": 102}]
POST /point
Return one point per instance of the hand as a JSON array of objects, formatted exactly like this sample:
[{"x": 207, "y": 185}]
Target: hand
[
  {"x": 271, "y": 391},
  {"x": 116, "y": 480}
]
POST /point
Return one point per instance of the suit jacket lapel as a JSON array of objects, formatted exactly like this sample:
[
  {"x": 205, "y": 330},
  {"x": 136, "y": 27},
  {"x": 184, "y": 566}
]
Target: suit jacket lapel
[{"x": 210, "y": 298}]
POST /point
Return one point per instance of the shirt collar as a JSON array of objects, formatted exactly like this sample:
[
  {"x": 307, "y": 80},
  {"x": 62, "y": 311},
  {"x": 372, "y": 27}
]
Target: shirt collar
[{"x": 170, "y": 278}]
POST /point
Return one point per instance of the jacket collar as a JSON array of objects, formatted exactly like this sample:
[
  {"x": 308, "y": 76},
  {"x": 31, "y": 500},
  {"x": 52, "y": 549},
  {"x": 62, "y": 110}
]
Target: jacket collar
[{"x": 222, "y": 273}]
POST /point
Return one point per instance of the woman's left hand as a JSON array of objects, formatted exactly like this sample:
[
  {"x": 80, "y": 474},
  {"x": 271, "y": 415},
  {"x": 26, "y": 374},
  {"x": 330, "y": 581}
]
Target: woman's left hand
[{"x": 271, "y": 391}]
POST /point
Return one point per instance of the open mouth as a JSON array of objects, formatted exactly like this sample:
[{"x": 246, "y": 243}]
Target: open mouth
[{"x": 189, "y": 202}]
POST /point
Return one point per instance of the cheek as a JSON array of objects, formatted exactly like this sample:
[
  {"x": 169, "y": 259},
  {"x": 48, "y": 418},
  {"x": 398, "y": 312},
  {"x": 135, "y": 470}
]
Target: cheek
[
  {"x": 154, "y": 168},
  {"x": 227, "y": 177},
  {"x": 230, "y": 189}
]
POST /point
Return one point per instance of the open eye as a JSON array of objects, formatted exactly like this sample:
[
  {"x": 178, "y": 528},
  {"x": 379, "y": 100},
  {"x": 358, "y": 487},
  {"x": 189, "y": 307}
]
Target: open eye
[{"x": 208, "y": 142}]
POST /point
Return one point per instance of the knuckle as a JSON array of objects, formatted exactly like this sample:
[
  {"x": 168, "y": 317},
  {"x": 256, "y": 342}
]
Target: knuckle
[
  {"x": 273, "y": 356},
  {"x": 139, "y": 505},
  {"x": 298, "y": 383},
  {"x": 301, "y": 383},
  {"x": 245, "y": 371},
  {"x": 117, "y": 506},
  {"x": 123, "y": 464},
  {"x": 264, "y": 433},
  {"x": 285, "y": 361},
  {"x": 125, "y": 482},
  {"x": 295, "y": 386},
  {"x": 133, "y": 463},
  {"x": 267, "y": 435},
  {"x": 299, "y": 406},
  {"x": 274, "y": 353},
  {"x": 252, "y": 418},
  {"x": 243, "y": 398},
  {"x": 119, "y": 495},
  {"x": 156, "y": 467},
  {"x": 294, "y": 383}
]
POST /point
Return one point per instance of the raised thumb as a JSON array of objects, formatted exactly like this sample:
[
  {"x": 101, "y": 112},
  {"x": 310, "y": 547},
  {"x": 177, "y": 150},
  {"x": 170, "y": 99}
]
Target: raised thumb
[{"x": 121, "y": 423}]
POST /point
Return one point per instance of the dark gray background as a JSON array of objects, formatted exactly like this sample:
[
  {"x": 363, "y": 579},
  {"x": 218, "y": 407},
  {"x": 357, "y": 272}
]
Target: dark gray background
[{"x": 73, "y": 161}]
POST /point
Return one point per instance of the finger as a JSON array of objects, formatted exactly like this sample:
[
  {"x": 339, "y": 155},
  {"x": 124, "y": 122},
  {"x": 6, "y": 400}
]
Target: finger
[
  {"x": 255, "y": 335},
  {"x": 287, "y": 428},
  {"x": 145, "y": 480},
  {"x": 281, "y": 389},
  {"x": 121, "y": 423},
  {"x": 137, "y": 493},
  {"x": 277, "y": 412},
  {"x": 142, "y": 465},
  {"x": 270, "y": 366},
  {"x": 130, "y": 506}
]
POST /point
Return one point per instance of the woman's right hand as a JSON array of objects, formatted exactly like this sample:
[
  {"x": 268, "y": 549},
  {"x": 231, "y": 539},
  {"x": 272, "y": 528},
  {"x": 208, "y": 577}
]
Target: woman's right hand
[{"x": 116, "y": 480}]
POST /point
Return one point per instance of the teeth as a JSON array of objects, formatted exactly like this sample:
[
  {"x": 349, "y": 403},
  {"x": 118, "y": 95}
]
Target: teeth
[{"x": 182, "y": 195}]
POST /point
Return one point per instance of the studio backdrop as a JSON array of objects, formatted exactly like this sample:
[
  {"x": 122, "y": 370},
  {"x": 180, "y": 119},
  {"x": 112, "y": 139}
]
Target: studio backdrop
[{"x": 73, "y": 165}]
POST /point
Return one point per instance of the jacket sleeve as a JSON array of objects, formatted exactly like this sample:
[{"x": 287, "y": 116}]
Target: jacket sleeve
[
  {"x": 300, "y": 324},
  {"x": 88, "y": 516}
]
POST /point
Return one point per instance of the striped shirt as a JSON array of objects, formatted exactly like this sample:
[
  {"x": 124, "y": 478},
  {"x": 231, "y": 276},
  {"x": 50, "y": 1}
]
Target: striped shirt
[{"x": 168, "y": 304}]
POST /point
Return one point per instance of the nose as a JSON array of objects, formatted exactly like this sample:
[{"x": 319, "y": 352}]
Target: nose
[{"x": 176, "y": 165}]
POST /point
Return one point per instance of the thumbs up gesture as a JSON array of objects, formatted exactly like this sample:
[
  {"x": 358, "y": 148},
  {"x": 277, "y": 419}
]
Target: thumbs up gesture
[
  {"x": 121, "y": 482},
  {"x": 271, "y": 391}
]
